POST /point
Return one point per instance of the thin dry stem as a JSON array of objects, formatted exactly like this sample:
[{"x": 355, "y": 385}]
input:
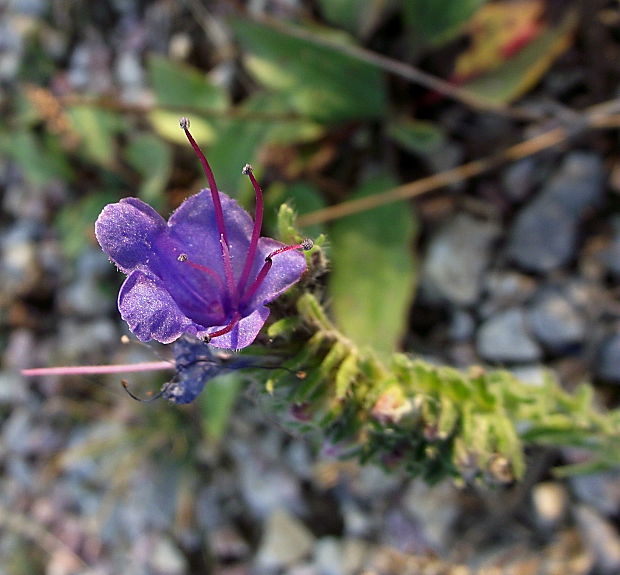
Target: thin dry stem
[{"x": 594, "y": 118}]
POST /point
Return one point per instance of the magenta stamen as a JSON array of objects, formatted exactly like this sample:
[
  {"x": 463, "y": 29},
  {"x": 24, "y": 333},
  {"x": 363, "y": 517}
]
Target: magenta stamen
[
  {"x": 184, "y": 259},
  {"x": 224, "y": 330},
  {"x": 217, "y": 204},
  {"x": 99, "y": 369},
  {"x": 230, "y": 280},
  {"x": 258, "y": 224},
  {"x": 249, "y": 293}
]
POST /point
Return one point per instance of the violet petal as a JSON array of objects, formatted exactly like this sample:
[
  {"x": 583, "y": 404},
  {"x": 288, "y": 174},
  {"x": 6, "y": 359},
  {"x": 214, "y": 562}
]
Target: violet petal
[
  {"x": 126, "y": 231},
  {"x": 243, "y": 334},
  {"x": 286, "y": 270},
  {"x": 150, "y": 311}
]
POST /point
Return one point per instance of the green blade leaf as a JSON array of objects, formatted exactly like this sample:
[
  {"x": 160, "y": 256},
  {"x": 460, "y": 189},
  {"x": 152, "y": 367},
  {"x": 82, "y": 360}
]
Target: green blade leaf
[
  {"x": 179, "y": 85},
  {"x": 217, "y": 402},
  {"x": 97, "y": 129},
  {"x": 373, "y": 277},
  {"x": 319, "y": 81},
  {"x": 355, "y": 16},
  {"x": 437, "y": 21},
  {"x": 152, "y": 159}
]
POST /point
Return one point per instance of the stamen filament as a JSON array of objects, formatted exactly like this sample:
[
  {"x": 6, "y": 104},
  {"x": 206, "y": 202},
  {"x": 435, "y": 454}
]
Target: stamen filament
[
  {"x": 99, "y": 369},
  {"x": 260, "y": 277},
  {"x": 230, "y": 280},
  {"x": 258, "y": 224},
  {"x": 217, "y": 204},
  {"x": 224, "y": 330},
  {"x": 183, "y": 258}
]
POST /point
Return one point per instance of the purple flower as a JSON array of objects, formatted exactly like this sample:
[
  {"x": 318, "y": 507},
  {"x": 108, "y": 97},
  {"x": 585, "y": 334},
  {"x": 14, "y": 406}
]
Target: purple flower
[{"x": 206, "y": 272}]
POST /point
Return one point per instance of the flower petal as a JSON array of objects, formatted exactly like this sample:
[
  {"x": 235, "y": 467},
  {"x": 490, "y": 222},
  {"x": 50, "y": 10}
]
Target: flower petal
[
  {"x": 195, "y": 225},
  {"x": 150, "y": 311},
  {"x": 286, "y": 270},
  {"x": 243, "y": 334},
  {"x": 126, "y": 232}
]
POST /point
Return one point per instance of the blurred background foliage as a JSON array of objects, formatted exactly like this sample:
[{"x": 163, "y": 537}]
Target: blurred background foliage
[{"x": 91, "y": 96}]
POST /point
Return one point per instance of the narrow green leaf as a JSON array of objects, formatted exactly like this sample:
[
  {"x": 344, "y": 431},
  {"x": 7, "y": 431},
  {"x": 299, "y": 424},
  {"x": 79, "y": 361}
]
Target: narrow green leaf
[
  {"x": 357, "y": 17},
  {"x": 74, "y": 221},
  {"x": 437, "y": 21},
  {"x": 217, "y": 402},
  {"x": 178, "y": 85},
  {"x": 152, "y": 159},
  {"x": 40, "y": 163},
  {"x": 449, "y": 415},
  {"x": 373, "y": 277},
  {"x": 417, "y": 136},
  {"x": 346, "y": 374},
  {"x": 319, "y": 81},
  {"x": 97, "y": 129}
]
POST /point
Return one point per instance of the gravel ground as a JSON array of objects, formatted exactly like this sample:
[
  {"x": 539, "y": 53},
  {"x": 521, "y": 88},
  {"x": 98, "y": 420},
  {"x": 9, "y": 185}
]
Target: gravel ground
[{"x": 518, "y": 269}]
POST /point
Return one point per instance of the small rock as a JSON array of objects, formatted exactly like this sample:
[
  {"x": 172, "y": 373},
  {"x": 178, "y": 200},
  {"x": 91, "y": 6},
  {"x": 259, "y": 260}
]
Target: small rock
[
  {"x": 436, "y": 509},
  {"x": 543, "y": 237},
  {"x": 504, "y": 337},
  {"x": 335, "y": 557},
  {"x": 462, "y": 326},
  {"x": 608, "y": 365},
  {"x": 505, "y": 289},
  {"x": 130, "y": 76},
  {"x": 601, "y": 537},
  {"x": 600, "y": 491},
  {"x": 285, "y": 542},
  {"x": 13, "y": 388},
  {"x": 228, "y": 545},
  {"x": 356, "y": 522},
  {"x": 18, "y": 261},
  {"x": 555, "y": 322},
  {"x": 544, "y": 234},
  {"x": 86, "y": 339},
  {"x": 534, "y": 375},
  {"x": 457, "y": 256},
  {"x": 265, "y": 485},
  {"x": 404, "y": 533},
  {"x": 157, "y": 554},
  {"x": 328, "y": 556},
  {"x": 519, "y": 179},
  {"x": 550, "y": 501},
  {"x": 611, "y": 255},
  {"x": 579, "y": 184}
]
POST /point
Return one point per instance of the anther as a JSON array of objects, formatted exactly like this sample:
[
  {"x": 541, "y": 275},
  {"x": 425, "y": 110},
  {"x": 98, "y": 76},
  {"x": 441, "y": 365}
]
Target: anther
[
  {"x": 184, "y": 123},
  {"x": 247, "y": 170},
  {"x": 182, "y": 258},
  {"x": 307, "y": 244}
]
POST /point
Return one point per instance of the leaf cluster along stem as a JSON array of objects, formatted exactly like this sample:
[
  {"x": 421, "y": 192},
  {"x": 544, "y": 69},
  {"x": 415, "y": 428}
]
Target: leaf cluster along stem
[{"x": 433, "y": 421}]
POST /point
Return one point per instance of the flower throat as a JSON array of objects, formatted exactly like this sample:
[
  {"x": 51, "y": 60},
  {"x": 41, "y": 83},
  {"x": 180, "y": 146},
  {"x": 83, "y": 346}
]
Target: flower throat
[{"x": 240, "y": 291}]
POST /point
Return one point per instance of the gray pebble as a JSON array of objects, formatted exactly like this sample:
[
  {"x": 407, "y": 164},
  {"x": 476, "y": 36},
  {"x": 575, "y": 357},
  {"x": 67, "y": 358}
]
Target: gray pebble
[
  {"x": 599, "y": 490},
  {"x": 543, "y": 237},
  {"x": 611, "y": 255},
  {"x": 286, "y": 541},
  {"x": 608, "y": 365},
  {"x": 550, "y": 502},
  {"x": 457, "y": 256},
  {"x": 544, "y": 234},
  {"x": 504, "y": 338},
  {"x": 555, "y": 322},
  {"x": 601, "y": 537},
  {"x": 519, "y": 178}
]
